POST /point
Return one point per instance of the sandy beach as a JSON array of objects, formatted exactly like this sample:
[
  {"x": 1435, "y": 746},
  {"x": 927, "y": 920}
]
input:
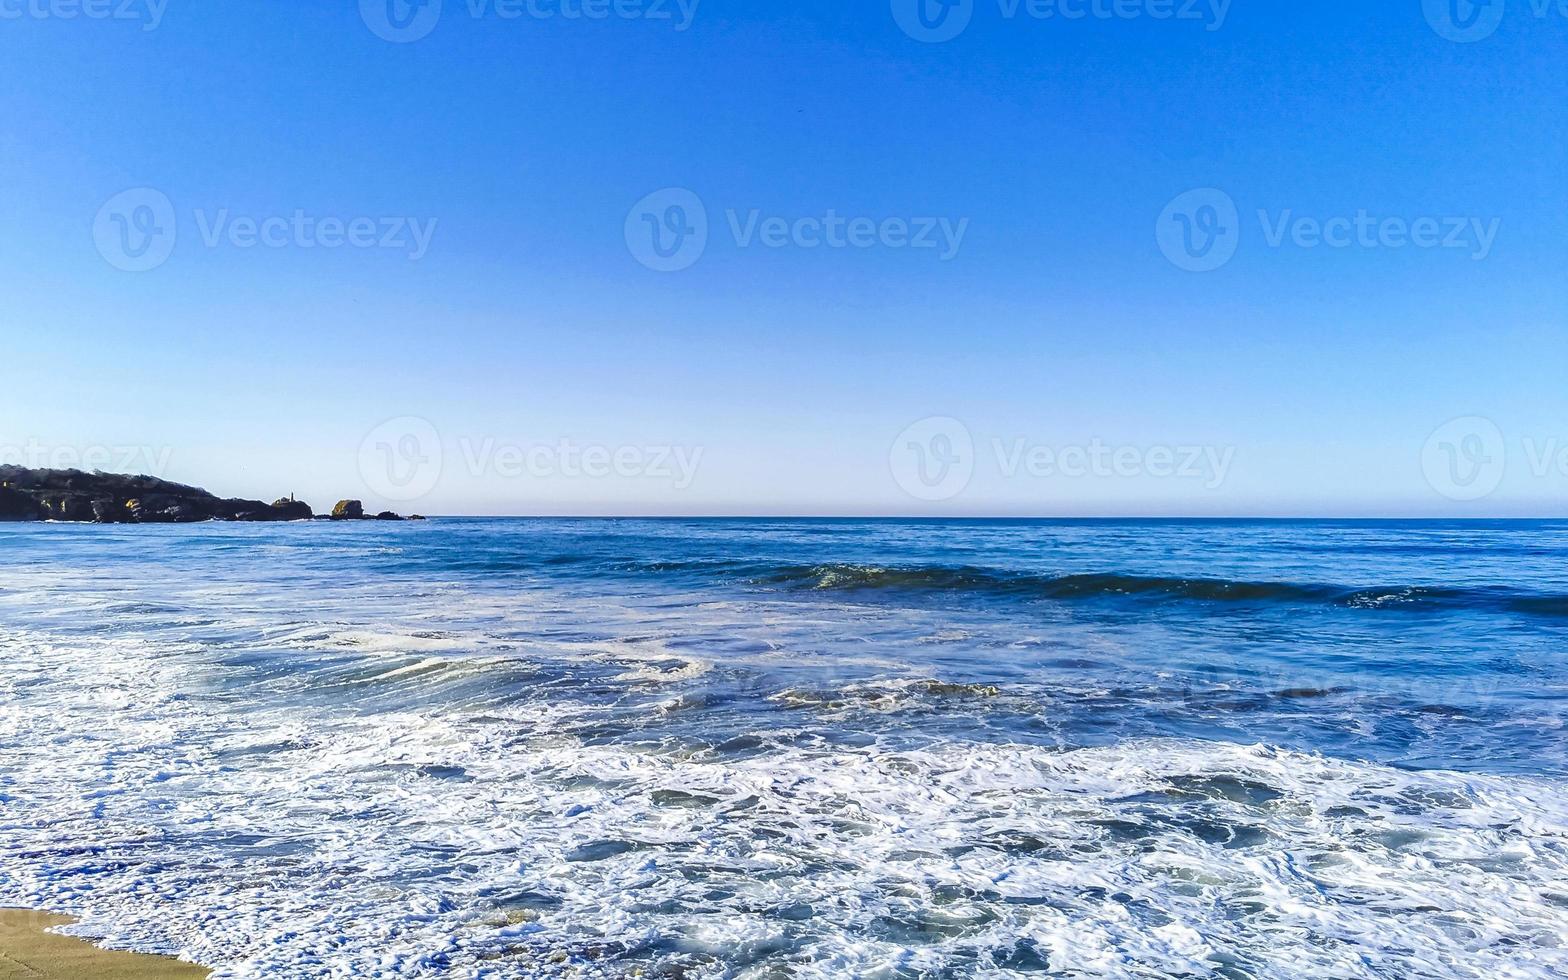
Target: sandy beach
[{"x": 29, "y": 952}]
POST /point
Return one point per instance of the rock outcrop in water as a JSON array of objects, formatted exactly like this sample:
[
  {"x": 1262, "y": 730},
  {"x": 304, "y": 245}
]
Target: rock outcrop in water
[
  {"x": 296, "y": 510},
  {"x": 348, "y": 510},
  {"x": 113, "y": 498},
  {"x": 353, "y": 510}
]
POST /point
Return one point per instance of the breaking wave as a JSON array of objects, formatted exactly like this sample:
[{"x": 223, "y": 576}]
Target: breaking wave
[{"x": 852, "y": 578}]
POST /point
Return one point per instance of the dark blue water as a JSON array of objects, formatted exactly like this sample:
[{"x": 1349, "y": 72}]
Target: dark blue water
[{"x": 1361, "y": 700}]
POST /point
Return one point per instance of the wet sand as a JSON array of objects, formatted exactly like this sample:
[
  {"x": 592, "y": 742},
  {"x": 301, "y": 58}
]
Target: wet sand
[{"x": 28, "y": 952}]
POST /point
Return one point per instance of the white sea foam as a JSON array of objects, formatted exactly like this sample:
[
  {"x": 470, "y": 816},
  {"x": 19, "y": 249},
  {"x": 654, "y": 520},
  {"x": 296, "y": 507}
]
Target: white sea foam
[
  {"x": 279, "y": 840},
  {"x": 648, "y": 660}
]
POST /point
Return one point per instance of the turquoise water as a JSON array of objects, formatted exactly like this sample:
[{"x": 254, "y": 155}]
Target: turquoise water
[{"x": 794, "y": 748}]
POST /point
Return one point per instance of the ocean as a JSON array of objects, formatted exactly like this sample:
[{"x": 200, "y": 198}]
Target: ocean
[{"x": 794, "y": 748}]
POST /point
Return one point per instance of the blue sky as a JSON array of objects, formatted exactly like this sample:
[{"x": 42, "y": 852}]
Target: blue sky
[{"x": 476, "y": 370}]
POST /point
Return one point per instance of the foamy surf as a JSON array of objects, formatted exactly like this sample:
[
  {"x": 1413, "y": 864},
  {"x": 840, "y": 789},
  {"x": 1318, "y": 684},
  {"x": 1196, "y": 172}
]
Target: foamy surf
[{"x": 279, "y": 843}]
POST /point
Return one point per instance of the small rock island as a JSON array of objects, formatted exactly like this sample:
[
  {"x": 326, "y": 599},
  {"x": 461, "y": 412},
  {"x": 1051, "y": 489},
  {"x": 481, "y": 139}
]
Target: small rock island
[{"x": 113, "y": 498}]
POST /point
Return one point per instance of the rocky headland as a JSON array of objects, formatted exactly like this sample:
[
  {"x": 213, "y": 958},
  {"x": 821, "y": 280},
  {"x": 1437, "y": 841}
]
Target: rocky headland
[{"x": 113, "y": 498}]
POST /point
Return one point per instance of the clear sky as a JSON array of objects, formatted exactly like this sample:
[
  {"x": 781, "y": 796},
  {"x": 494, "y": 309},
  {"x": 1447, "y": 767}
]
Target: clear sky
[{"x": 895, "y": 271}]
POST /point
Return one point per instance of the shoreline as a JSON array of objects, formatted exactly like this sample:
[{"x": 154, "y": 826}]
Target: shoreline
[{"x": 29, "y": 951}]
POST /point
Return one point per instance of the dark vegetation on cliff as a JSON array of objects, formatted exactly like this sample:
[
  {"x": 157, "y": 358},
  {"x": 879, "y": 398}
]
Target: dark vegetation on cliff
[{"x": 113, "y": 498}]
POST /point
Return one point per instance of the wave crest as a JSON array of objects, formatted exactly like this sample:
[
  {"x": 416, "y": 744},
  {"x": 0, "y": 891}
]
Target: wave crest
[{"x": 941, "y": 578}]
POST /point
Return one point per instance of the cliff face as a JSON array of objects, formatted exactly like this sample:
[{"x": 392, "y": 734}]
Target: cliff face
[{"x": 112, "y": 498}]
